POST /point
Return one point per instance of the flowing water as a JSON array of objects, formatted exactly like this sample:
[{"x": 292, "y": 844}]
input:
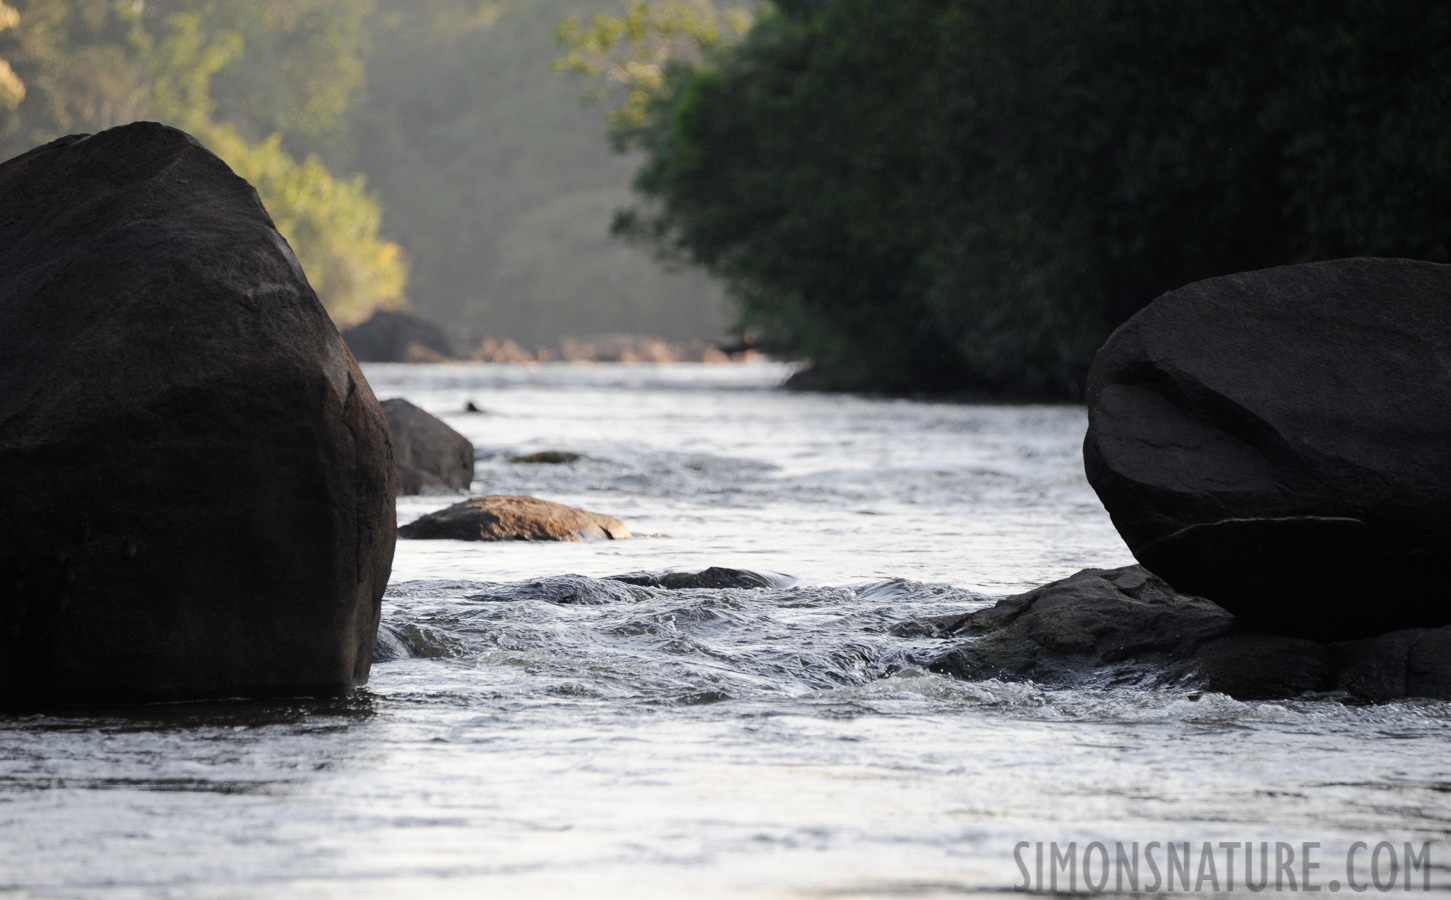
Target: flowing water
[{"x": 543, "y": 730}]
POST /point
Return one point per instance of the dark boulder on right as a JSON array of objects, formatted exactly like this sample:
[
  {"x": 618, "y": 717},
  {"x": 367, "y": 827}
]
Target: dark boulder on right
[
  {"x": 1279, "y": 442},
  {"x": 432, "y": 458},
  {"x": 397, "y": 337}
]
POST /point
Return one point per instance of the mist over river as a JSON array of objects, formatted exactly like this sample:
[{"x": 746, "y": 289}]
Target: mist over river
[{"x": 582, "y": 737}]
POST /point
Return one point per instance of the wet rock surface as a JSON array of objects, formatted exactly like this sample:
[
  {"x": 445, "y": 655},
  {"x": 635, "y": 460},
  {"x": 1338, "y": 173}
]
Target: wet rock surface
[
  {"x": 1118, "y": 627},
  {"x": 547, "y": 457},
  {"x": 513, "y": 518},
  {"x": 432, "y": 458},
  {"x": 1280, "y": 442},
  {"x": 235, "y": 537},
  {"x": 715, "y": 577},
  {"x": 1412, "y": 663},
  {"x": 1125, "y": 625}
]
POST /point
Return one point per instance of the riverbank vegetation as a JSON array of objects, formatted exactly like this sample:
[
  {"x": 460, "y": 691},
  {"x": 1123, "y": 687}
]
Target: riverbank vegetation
[
  {"x": 930, "y": 195},
  {"x": 264, "y": 85},
  {"x": 486, "y": 191}
]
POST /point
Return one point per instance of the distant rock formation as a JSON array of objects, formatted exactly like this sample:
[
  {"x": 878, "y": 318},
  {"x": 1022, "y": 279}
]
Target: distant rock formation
[
  {"x": 196, "y": 482},
  {"x": 600, "y": 348},
  {"x": 1280, "y": 443},
  {"x": 398, "y": 337},
  {"x": 502, "y": 517},
  {"x": 637, "y": 348},
  {"x": 1108, "y": 627},
  {"x": 432, "y": 458}
]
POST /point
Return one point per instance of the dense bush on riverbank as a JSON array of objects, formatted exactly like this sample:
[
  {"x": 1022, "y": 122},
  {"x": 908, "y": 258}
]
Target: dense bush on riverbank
[{"x": 935, "y": 195}]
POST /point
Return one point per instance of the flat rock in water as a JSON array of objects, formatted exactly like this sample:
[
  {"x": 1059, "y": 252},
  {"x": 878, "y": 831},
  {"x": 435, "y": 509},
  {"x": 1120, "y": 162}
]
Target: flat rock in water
[
  {"x": 1109, "y": 627},
  {"x": 1280, "y": 443},
  {"x": 233, "y": 534},
  {"x": 501, "y": 517},
  {"x": 432, "y": 458}
]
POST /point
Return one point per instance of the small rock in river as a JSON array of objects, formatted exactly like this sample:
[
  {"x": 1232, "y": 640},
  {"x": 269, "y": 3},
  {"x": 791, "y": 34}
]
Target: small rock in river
[
  {"x": 715, "y": 577},
  {"x": 510, "y": 518},
  {"x": 432, "y": 458},
  {"x": 547, "y": 457}
]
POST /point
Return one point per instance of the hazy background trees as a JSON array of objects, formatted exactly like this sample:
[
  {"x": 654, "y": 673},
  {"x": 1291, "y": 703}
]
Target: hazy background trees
[
  {"x": 502, "y": 186},
  {"x": 412, "y": 151}
]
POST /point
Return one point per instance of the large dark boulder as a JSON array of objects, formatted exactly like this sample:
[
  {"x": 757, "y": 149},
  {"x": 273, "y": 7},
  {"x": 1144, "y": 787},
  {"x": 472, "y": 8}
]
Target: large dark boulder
[
  {"x": 505, "y": 517},
  {"x": 432, "y": 458},
  {"x": 390, "y": 336},
  {"x": 1126, "y": 627},
  {"x": 196, "y": 483},
  {"x": 1280, "y": 443}
]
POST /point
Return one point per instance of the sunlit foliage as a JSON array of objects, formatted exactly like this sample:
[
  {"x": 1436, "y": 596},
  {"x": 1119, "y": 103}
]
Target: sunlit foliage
[
  {"x": 247, "y": 79},
  {"x": 633, "y": 50}
]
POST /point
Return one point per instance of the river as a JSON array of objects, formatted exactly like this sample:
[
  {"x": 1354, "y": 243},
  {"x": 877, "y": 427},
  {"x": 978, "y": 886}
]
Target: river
[{"x": 772, "y": 742}]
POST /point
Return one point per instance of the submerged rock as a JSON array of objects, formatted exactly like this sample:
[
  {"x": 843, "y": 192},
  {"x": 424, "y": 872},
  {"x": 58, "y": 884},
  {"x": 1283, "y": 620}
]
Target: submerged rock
[
  {"x": 1280, "y": 442},
  {"x": 547, "y": 457},
  {"x": 432, "y": 458},
  {"x": 392, "y": 644},
  {"x": 397, "y": 337},
  {"x": 570, "y": 590},
  {"x": 196, "y": 483},
  {"x": 1105, "y": 627},
  {"x": 715, "y": 577},
  {"x": 501, "y": 517}
]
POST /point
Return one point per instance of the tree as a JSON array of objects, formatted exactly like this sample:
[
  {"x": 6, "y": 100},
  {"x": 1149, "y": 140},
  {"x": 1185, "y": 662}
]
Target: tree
[
  {"x": 938, "y": 194},
  {"x": 634, "y": 50},
  {"x": 93, "y": 64}
]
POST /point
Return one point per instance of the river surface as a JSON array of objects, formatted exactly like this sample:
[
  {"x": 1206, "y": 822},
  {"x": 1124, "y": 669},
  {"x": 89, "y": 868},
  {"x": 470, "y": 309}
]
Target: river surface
[{"x": 581, "y": 737}]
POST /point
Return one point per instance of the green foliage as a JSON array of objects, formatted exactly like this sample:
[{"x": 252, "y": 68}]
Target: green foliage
[
  {"x": 931, "y": 194},
  {"x": 491, "y": 175},
  {"x": 634, "y": 50},
  {"x": 281, "y": 70},
  {"x": 303, "y": 68}
]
